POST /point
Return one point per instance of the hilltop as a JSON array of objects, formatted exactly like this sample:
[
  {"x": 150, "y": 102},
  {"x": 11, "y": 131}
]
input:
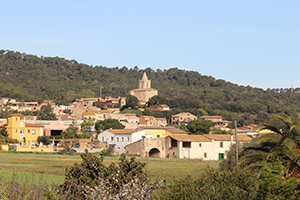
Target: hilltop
[{"x": 32, "y": 78}]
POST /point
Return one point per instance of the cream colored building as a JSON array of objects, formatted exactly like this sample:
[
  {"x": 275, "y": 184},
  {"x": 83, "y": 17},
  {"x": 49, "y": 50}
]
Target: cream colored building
[
  {"x": 182, "y": 118},
  {"x": 145, "y": 92},
  {"x": 206, "y": 147}
]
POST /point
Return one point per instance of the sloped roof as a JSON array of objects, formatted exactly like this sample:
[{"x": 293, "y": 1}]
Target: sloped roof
[
  {"x": 169, "y": 128},
  {"x": 32, "y": 125},
  {"x": 213, "y": 117},
  {"x": 123, "y": 131},
  {"x": 191, "y": 138},
  {"x": 143, "y": 89},
  {"x": 227, "y": 137},
  {"x": 16, "y": 115}
]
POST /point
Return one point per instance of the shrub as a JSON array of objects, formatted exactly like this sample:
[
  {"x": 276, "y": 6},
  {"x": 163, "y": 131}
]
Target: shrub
[
  {"x": 91, "y": 173},
  {"x": 62, "y": 151},
  {"x": 44, "y": 139}
]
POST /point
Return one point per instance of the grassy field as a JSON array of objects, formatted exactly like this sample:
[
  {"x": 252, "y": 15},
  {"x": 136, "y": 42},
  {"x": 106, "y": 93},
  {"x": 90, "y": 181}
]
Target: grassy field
[{"x": 52, "y": 166}]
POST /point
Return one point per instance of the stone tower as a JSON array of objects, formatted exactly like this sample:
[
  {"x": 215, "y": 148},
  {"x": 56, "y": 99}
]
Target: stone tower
[{"x": 144, "y": 83}]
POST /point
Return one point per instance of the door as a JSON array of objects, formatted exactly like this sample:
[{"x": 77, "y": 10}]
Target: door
[{"x": 221, "y": 156}]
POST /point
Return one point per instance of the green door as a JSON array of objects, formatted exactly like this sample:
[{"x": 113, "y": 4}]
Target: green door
[{"x": 221, "y": 156}]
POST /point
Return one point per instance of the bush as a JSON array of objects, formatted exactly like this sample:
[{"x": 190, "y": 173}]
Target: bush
[
  {"x": 44, "y": 139},
  {"x": 91, "y": 173},
  {"x": 108, "y": 152},
  {"x": 62, "y": 151}
]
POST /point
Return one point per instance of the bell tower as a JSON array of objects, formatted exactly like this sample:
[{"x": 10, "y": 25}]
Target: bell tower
[{"x": 144, "y": 83}]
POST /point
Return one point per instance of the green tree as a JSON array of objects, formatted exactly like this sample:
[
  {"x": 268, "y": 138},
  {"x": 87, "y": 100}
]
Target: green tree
[
  {"x": 132, "y": 101},
  {"x": 44, "y": 139},
  {"x": 3, "y": 133},
  {"x": 71, "y": 131},
  {"x": 86, "y": 127},
  {"x": 219, "y": 131},
  {"x": 91, "y": 171},
  {"x": 200, "y": 126},
  {"x": 280, "y": 147},
  {"x": 107, "y": 124},
  {"x": 46, "y": 113}
]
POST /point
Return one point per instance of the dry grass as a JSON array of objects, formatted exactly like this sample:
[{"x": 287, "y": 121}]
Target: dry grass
[{"x": 52, "y": 166}]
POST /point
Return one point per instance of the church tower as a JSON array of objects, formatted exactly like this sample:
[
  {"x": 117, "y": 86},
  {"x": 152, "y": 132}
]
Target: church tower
[
  {"x": 145, "y": 92},
  {"x": 144, "y": 83}
]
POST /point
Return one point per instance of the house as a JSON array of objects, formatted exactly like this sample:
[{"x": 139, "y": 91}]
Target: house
[
  {"x": 162, "y": 132},
  {"x": 219, "y": 122},
  {"x": 221, "y": 143},
  {"x": 182, "y": 118},
  {"x": 152, "y": 121},
  {"x": 5, "y": 100},
  {"x": 119, "y": 138},
  {"x": 26, "y": 133},
  {"x": 162, "y": 107},
  {"x": 147, "y": 120},
  {"x": 145, "y": 92},
  {"x": 111, "y": 102},
  {"x": 206, "y": 147},
  {"x": 85, "y": 101}
]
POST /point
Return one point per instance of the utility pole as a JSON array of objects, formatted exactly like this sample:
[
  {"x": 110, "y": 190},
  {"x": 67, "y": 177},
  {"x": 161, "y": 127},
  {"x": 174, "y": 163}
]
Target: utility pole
[
  {"x": 100, "y": 91},
  {"x": 236, "y": 144}
]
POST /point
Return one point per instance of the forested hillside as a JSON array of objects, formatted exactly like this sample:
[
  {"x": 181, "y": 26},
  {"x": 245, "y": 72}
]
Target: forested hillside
[{"x": 28, "y": 77}]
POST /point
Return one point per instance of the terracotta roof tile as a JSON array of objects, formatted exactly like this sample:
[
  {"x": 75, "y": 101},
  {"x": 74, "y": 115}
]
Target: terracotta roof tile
[
  {"x": 123, "y": 131},
  {"x": 227, "y": 137},
  {"x": 191, "y": 138}
]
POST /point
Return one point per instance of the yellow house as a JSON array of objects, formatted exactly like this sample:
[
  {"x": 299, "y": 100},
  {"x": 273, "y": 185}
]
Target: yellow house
[
  {"x": 147, "y": 120},
  {"x": 25, "y": 133},
  {"x": 164, "y": 132}
]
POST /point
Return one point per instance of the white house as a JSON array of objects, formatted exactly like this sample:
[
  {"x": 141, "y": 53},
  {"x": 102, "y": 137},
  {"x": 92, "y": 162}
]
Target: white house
[
  {"x": 206, "y": 147},
  {"x": 119, "y": 138}
]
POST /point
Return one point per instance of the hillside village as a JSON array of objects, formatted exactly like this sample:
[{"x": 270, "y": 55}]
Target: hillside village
[{"x": 146, "y": 136}]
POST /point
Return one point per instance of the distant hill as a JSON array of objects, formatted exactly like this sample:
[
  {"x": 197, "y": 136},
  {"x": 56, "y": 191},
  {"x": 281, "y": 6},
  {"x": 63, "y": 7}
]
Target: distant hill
[{"x": 29, "y": 77}]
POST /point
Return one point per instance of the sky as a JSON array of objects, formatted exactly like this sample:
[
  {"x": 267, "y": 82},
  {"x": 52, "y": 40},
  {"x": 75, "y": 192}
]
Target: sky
[{"x": 252, "y": 43}]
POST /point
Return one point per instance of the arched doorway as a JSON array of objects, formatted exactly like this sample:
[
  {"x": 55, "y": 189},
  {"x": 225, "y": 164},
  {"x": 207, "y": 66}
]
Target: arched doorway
[{"x": 155, "y": 153}]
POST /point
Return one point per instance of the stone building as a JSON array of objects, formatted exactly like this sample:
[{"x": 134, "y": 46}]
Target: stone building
[
  {"x": 206, "y": 147},
  {"x": 145, "y": 92}
]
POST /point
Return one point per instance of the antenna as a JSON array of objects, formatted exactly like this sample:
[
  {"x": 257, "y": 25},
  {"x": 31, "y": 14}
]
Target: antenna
[{"x": 100, "y": 91}]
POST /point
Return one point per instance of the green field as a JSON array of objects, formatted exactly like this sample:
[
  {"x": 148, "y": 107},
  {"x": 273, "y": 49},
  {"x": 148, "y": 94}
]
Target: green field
[{"x": 52, "y": 166}]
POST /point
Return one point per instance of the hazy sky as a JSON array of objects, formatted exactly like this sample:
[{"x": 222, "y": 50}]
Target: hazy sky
[{"x": 253, "y": 43}]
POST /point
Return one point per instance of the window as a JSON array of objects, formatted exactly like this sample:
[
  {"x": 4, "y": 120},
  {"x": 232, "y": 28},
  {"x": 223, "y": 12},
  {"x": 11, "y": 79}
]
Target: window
[
  {"x": 122, "y": 139},
  {"x": 21, "y": 133},
  {"x": 162, "y": 148},
  {"x": 205, "y": 155},
  {"x": 16, "y": 119},
  {"x": 173, "y": 143},
  {"x": 221, "y": 144},
  {"x": 200, "y": 145},
  {"x": 28, "y": 143},
  {"x": 112, "y": 138},
  {"x": 33, "y": 132},
  {"x": 33, "y": 143},
  {"x": 186, "y": 144},
  {"x": 128, "y": 139},
  {"x": 16, "y": 130},
  {"x": 117, "y": 139},
  {"x": 28, "y": 130},
  {"x": 102, "y": 138},
  {"x": 158, "y": 136}
]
